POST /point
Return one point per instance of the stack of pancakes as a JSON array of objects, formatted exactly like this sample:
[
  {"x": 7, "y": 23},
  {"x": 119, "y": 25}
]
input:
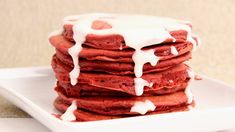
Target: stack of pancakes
[{"x": 106, "y": 86}]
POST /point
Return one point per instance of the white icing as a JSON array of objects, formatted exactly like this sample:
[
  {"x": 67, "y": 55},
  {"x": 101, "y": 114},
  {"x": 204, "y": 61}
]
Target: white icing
[
  {"x": 189, "y": 95},
  {"x": 151, "y": 84},
  {"x": 143, "y": 107},
  {"x": 174, "y": 40},
  {"x": 191, "y": 74},
  {"x": 141, "y": 57},
  {"x": 138, "y": 31},
  {"x": 192, "y": 40},
  {"x": 120, "y": 48},
  {"x": 188, "y": 91},
  {"x": 174, "y": 50},
  {"x": 80, "y": 32},
  {"x": 74, "y": 51},
  {"x": 140, "y": 84},
  {"x": 69, "y": 115}
]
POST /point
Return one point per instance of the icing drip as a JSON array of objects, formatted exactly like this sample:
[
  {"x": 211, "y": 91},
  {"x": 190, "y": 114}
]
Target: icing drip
[
  {"x": 143, "y": 107},
  {"x": 138, "y": 31},
  {"x": 141, "y": 57},
  {"x": 189, "y": 95},
  {"x": 151, "y": 84},
  {"x": 191, "y": 74},
  {"x": 74, "y": 51},
  {"x": 69, "y": 115},
  {"x": 79, "y": 35},
  {"x": 192, "y": 40},
  {"x": 120, "y": 48},
  {"x": 188, "y": 91},
  {"x": 174, "y": 50},
  {"x": 140, "y": 84}
]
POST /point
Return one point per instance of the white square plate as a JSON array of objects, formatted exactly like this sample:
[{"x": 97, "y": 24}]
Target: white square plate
[{"x": 31, "y": 89}]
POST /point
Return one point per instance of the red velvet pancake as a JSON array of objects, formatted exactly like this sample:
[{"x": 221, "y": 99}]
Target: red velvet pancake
[
  {"x": 123, "y": 105},
  {"x": 115, "y": 41},
  {"x": 81, "y": 90},
  {"x": 163, "y": 51},
  {"x": 83, "y": 115},
  {"x": 119, "y": 68}
]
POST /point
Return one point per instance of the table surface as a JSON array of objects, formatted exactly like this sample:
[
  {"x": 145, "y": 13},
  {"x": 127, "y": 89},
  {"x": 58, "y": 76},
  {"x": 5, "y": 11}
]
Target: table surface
[
  {"x": 24, "y": 31},
  {"x": 21, "y": 125}
]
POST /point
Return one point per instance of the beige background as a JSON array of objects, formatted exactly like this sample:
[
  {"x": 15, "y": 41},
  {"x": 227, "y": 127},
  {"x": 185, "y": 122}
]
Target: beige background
[{"x": 25, "y": 25}]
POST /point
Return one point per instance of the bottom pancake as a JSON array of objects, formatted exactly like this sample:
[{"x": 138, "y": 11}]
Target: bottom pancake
[
  {"x": 126, "y": 105},
  {"x": 83, "y": 115}
]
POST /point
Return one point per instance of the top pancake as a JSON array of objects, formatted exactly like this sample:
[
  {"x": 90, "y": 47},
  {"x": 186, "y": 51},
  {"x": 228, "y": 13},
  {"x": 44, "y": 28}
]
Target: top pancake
[
  {"x": 113, "y": 31},
  {"x": 115, "y": 41}
]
